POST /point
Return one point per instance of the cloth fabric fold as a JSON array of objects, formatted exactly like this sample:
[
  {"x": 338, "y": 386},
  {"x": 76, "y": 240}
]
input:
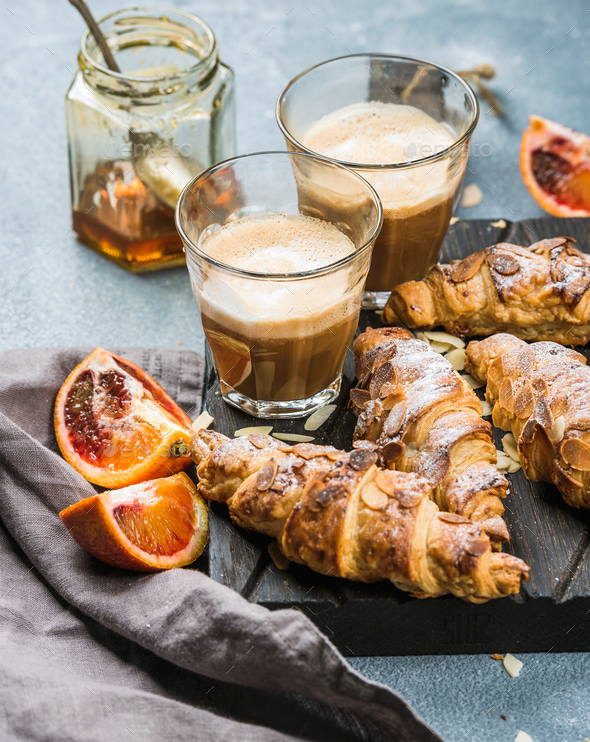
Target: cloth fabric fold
[{"x": 60, "y": 605}]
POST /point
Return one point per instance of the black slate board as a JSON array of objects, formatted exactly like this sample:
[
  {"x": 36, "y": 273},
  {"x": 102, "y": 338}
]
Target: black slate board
[{"x": 552, "y": 610}]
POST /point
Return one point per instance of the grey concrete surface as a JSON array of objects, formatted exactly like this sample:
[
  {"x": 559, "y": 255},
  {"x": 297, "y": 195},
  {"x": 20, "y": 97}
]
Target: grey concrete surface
[{"x": 56, "y": 292}]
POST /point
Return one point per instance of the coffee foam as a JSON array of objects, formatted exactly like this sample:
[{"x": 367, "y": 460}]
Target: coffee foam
[
  {"x": 376, "y": 133},
  {"x": 279, "y": 243}
]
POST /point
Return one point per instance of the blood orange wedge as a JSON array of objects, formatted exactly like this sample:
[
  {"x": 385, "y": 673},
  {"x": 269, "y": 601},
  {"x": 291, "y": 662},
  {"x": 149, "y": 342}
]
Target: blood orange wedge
[
  {"x": 145, "y": 527},
  {"x": 555, "y": 166},
  {"x": 116, "y": 426}
]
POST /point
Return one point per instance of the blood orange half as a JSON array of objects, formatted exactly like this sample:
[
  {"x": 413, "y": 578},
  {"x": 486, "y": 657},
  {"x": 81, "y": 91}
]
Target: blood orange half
[
  {"x": 145, "y": 527},
  {"x": 555, "y": 166},
  {"x": 116, "y": 426}
]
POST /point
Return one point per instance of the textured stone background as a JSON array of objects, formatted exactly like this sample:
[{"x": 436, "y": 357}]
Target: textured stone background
[{"x": 56, "y": 292}]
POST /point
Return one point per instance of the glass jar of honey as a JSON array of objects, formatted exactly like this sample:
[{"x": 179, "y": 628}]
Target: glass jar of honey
[{"x": 137, "y": 137}]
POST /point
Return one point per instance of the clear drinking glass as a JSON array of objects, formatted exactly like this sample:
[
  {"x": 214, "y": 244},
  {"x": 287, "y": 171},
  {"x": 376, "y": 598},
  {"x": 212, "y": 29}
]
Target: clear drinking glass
[
  {"x": 418, "y": 194},
  {"x": 279, "y": 339}
]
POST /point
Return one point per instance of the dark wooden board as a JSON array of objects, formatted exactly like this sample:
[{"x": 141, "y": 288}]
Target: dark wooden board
[{"x": 552, "y": 610}]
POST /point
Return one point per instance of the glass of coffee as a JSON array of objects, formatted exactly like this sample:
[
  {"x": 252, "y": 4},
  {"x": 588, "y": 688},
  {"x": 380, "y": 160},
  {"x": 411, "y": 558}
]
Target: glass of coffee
[
  {"x": 278, "y": 247},
  {"x": 405, "y": 125}
]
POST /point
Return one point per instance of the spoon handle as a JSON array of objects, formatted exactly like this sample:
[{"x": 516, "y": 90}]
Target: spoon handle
[{"x": 84, "y": 10}]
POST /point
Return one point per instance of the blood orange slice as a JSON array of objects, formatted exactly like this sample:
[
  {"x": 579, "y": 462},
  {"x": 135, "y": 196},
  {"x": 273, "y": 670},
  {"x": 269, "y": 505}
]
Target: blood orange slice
[
  {"x": 145, "y": 527},
  {"x": 555, "y": 166},
  {"x": 116, "y": 426}
]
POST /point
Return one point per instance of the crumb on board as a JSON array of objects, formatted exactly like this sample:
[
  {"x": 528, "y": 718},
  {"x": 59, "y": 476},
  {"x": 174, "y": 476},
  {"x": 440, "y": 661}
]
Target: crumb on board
[
  {"x": 498, "y": 657},
  {"x": 502, "y": 716}
]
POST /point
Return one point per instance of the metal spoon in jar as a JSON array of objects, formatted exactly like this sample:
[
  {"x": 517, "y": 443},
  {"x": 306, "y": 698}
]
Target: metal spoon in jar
[{"x": 164, "y": 176}]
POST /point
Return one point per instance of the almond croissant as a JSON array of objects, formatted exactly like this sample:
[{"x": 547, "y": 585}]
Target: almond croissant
[
  {"x": 426, "y": 419},
  {"x": 340, "y": 514},
  {"x": 542, "y": 395},
  {"x": 536, "y": 293}
]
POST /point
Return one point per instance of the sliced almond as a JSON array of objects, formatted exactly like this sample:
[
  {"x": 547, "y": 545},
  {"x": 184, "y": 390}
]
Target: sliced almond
[
  {"x": 456, "y": 358},
  {"x": 295, "y": 437},
  {"x": 262, "y": 429},
  {"x": 526, "y": 361},
  {"x": 359, "y": 397},
  {"x": 576, "y": 453},
  {"x": 524, "y": 401},
  {"x": 202, "y": 422},
  {"x": 487, "y": 409},
  {"x": 500, "y": 224},
  {"x": 387, "y": 481},
  {"x": 266, "y": 475},
  {"x": 502, "y": 262},
  {"x": 502, "y": 462},
  {"x": 472, "y": 382},
  {"x": 558, "y": 429},
  {"x": 463, "y": 270},
  {"x": 472, "y": 196},
  {"x": 512, "y": 665},
  {"x": 445, "y": 337},
  {"x": 513, "y": 467},
  {"x": 395, "y": 419},
  {"x": 421, "y": 336},
  {"x": 506, "y": 397},
  {"x": 374, "y": 497},
  {"x": 453, "y": 518},
  {"x": 523, "y": 737},
  {"x": 454, "y": 220},
  {"x": 259, "y": 441},
  {"x": 510, "y": 446},
  {"x": 319, "y": 417},
  {"x": 363, "y": 458},
  {"x": 440, "y": 347},
  {"x": 411, "y": 450},
  {"x": 408, "y": 499}
]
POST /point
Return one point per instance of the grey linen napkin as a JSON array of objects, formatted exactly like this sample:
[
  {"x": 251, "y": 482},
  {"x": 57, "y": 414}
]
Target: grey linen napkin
[{"x": 90, "y": 652}]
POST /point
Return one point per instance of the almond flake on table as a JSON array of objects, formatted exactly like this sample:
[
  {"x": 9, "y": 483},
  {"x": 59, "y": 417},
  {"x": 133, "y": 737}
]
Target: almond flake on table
[
  {"x": 202, "y": 422},
  {"x": 500, "y": 224},
  {"x": 503, "y": 462},
  {"x": 512, "y": 665},
  {"x": 510, "y": 446},
  {"x": 513, "y": 467},
  {"x": 454, "y": 220},
  {"x": 523, "y": 737},
  {"x": 473, "y": 383},
  {"x": 293, "y": 437},
  {"x": 444, "y": 337},
  {"x": 472, "y": 196},
  {"x": 440, "y": 347},
  {"x": 319, "y": 417},
  {"x": 487, "y": 409},
  {"x": 456, "y": 358},
  {"x": 262, "y": 429}
]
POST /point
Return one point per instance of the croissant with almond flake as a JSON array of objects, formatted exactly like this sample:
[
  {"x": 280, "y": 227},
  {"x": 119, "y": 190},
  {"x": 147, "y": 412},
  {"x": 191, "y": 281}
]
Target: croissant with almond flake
[
  {"x": 340, "y": 514},
  {"x": 425, "y": 418},
  {"x": 536, "y": 293},
  {"x": 541, "y": 393}
]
